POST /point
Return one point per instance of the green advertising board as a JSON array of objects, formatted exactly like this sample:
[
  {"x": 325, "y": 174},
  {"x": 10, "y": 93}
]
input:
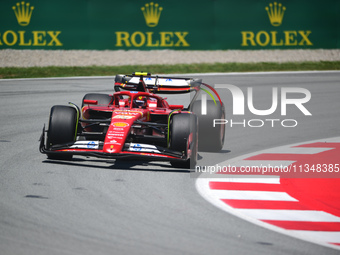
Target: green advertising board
[{"x": 182, "y": 25}]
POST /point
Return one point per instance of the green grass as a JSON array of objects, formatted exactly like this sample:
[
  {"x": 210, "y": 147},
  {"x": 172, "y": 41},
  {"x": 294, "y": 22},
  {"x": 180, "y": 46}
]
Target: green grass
[{"x": 39, "y": 72}]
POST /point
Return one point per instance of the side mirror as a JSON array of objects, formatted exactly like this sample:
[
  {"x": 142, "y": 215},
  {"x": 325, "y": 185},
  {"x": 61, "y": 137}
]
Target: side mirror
[
  {"x": 87, "y": 101},
  {"x": 176, "y": 106}
]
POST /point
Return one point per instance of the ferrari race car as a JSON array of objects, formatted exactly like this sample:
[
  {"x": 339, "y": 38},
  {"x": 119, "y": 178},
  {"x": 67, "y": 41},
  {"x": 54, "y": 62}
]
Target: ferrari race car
[{"x": 135, "y": 122}]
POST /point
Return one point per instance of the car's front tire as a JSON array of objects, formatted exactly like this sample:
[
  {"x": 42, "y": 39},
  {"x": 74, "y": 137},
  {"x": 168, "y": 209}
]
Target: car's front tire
[
  {"x": 61, "y": 129},
  {"x": 183, "y": 135}
]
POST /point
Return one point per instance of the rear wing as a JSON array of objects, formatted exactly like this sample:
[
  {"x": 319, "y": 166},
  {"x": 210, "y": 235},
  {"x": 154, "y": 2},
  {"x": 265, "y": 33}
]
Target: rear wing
[{"x": 157, "y": 84}]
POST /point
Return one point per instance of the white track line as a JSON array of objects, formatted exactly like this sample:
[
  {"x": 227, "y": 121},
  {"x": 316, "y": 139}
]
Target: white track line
[
  {"x": 252, "y": 195},
  {"x": 289, "y": 215},
  {"x": 258, "y": 216}
]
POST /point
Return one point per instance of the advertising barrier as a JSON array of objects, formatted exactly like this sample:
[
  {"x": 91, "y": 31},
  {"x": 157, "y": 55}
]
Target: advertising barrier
[{"x": 182, "y": 25}]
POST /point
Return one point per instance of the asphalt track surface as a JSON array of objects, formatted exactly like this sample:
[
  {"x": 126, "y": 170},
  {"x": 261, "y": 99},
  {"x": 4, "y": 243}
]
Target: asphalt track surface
[{"x": 96, "y": 206}]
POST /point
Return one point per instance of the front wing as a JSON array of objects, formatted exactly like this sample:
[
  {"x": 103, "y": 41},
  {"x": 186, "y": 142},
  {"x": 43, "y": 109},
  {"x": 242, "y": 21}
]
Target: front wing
[{"x": 95, "y": 149}]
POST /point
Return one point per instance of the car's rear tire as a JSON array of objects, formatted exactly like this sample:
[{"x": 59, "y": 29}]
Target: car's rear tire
[
  {"x": 62, "y": 128},
  {"x": 181, "y": 127},
  {"x": 210, "y": 138}
]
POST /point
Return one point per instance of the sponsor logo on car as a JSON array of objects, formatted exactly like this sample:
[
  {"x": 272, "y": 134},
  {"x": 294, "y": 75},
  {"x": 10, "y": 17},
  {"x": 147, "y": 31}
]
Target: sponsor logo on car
[
  {"x": 128, "y": 112},
  {"x": 120, "y": 124},
  {"x": 124, "y": 117},
  {"x": 136, "y": 147},
  {"x": 91, "y": 145},
  {"x": 118, "y": 134},
  {"x": 114, "y": 142},
  {"x": 143, "y": 148},
  {"x": 84, "y": 145}
]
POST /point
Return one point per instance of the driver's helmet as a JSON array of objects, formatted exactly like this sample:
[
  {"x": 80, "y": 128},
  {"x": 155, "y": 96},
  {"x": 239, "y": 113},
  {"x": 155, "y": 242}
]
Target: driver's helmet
[{"x": 140, "y": 101}]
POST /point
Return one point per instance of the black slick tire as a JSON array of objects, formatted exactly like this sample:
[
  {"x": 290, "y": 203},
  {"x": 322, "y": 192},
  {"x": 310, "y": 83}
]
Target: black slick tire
[
  {"x": 62, "y": 129},
  {"x": 181, "y": 127},
  {"x": 210, "y": 138}
]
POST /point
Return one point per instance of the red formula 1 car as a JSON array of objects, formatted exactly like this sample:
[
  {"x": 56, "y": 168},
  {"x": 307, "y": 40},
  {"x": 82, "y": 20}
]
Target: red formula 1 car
[{"x": 137, "y": 123}]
